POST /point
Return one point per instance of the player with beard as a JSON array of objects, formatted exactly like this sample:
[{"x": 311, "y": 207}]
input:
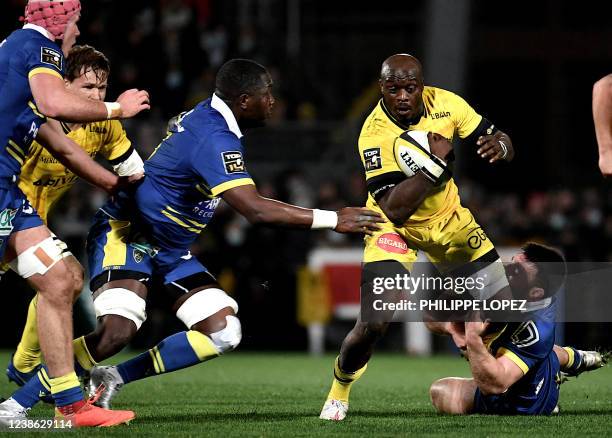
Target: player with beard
[{"x": 516, "y": 367}]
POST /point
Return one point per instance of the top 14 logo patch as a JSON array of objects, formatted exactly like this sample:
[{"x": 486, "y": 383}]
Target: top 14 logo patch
[
  {"x": 372, "y": 159},
  {"x": 233, "y": 162},
  {"x": 51, "y": 57}
]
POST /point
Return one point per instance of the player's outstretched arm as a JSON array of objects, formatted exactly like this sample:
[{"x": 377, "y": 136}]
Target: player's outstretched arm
[
  {"x": 602, "y": 117},
  {"x": 259, "y": 210},
  {"x": 73, "y": 157},
  {"x": 492, "y": 375},
  {"x": 55, "y": 101}
]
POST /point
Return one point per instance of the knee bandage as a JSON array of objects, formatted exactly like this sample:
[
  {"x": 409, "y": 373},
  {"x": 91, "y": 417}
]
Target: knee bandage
[
  {"x": 38, "y": 259},
  {"x": 203, "y": 304},
  {"x": 229, "y": 337},
  {"x": 122, "y": 302}
]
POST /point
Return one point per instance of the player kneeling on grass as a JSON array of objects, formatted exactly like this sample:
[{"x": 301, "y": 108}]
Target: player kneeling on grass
[
  {"x": 149, "y": 231},
  {"x": 516, "y": 367}
]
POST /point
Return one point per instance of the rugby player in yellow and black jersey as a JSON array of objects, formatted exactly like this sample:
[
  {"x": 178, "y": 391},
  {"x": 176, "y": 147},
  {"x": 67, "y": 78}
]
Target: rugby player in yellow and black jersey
[
  {"x": 422, "y": 214},
  {"x": 44, "y": 180}
]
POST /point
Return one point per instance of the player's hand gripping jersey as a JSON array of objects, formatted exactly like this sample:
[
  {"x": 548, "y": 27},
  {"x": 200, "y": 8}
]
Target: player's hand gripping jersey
[
  {"x": 200, "y": 159},
  {"x": 44, "y": 180},
  {"x": 529, "y": 345}
]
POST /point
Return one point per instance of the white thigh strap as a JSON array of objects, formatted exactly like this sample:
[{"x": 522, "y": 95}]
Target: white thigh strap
[
  {"x": 38, "y": 259},
  {"x": 203, "y": 304},
  {"x": 122, "y": 302}
]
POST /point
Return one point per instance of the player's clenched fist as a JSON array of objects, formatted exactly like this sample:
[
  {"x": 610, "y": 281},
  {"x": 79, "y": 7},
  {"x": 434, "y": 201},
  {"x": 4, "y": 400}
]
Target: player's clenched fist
[
  {"x": 131, "y": 102},
  {"x": 358, "y": 220}
]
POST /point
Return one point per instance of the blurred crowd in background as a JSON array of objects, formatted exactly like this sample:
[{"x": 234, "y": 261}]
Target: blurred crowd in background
[{"x": 324, "y": 59}]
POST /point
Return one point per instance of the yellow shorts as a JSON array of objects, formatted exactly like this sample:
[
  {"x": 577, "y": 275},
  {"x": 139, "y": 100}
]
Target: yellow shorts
[{"x": 448, "y": 243}]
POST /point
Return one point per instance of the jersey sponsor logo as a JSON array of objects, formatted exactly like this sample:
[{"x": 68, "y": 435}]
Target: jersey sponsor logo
[
  {"x": 476, "y": 237},
  {"x": 372, "y": 159},
  {"x": 51, "y": 57},
  {"x": 392, "y": 242},
  {"x": 440, "y": 115},
  {"x": 6, "y": 221},
  {"x": 56, "y": 182},
  {"x": 97, "y": 129},
  {"x": 233, "y": 162}
]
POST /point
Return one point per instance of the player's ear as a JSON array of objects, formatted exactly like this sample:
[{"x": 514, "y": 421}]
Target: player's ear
[
  {"x": 536, "y": 294},
  {"x": 243, "y": 101},
  {"x": 381, "y": 85}
]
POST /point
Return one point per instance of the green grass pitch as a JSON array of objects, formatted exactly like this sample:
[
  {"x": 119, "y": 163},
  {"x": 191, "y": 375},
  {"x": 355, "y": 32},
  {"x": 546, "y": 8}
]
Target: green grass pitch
[{"x": 246, "y": 394}]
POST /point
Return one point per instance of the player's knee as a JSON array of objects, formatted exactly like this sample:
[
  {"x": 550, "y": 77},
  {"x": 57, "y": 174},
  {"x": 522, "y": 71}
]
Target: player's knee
[
  {"x": 78, "y": 277},
  {"x": 375, "y": 330},
  {"x": 437, "y": 394},
  {"x": 121, "y": 302},
  {"x": 212, "y": 312},
  {"x": 112, "y": 335},
  {"x": 228, "y": 338}
]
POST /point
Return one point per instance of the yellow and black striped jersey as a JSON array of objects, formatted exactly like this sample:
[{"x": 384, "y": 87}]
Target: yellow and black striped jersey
[
  {"x": 44, "y": 179},
  {"x": 444, "y": 113}
]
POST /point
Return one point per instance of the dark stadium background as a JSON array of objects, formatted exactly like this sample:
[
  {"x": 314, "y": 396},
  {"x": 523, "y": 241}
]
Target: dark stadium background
[{"x": 529, "y": 66}]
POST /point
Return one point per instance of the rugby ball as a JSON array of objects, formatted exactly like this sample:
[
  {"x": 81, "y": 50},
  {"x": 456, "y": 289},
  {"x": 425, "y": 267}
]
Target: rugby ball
[{"x": 411, "y": 149}]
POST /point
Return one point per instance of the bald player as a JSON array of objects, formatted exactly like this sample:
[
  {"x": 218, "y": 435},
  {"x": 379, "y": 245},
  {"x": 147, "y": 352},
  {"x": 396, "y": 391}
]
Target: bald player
[
  {"x": 602, "y": 117},
  {"x": 32, "y": 88},
  {"x": 423, "y": 213}
]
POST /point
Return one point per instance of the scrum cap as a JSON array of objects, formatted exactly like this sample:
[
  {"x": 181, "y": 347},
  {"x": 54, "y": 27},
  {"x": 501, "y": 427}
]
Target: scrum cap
[{"x": 53, "y": 15}]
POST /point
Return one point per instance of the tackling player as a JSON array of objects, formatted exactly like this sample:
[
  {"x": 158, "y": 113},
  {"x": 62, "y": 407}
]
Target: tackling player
[
  {"x": 424, "y": 212},
  {"x": 149, "y": 231},
  {"x": 516, "y": 369},
  {"x": 44, "y": 180},
  {"x": 31, "y": 73},
  {"x": 602, "y": 117}
]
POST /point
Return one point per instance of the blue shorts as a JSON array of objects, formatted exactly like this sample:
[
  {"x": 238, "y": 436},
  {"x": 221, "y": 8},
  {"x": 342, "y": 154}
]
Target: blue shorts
[
  {"x": 515, "y": 403},
  {"x": 16, "y": 213},
  {"x": 116, "y": 250}
]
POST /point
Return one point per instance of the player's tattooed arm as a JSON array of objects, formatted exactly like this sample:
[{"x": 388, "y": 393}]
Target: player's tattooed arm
[
  {"x": 260, "y": 210},
  {"x": 74, "y": 157},
  {"x": 602, "y": 117},
  {"x": 491, "y": 375},
  {"x": 401, "y": 201},
  {"x": 495, "y": 147}
]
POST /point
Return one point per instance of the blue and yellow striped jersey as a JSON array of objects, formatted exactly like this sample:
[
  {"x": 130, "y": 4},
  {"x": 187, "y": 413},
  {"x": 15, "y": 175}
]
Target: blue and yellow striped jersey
[
  {"x": 529, "y": 344},
  {"x": 200, "y": 159},
  {"x": 26, "y": 52}
]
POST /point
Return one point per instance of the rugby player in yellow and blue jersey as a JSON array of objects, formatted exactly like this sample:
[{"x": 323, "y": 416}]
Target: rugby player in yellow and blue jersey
[
  {"x": 32, "y": 88},
  {"x": 44, "y": 180},
  {"x": 149, "y": 230},
  {"x": 423, "y": 213}
]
